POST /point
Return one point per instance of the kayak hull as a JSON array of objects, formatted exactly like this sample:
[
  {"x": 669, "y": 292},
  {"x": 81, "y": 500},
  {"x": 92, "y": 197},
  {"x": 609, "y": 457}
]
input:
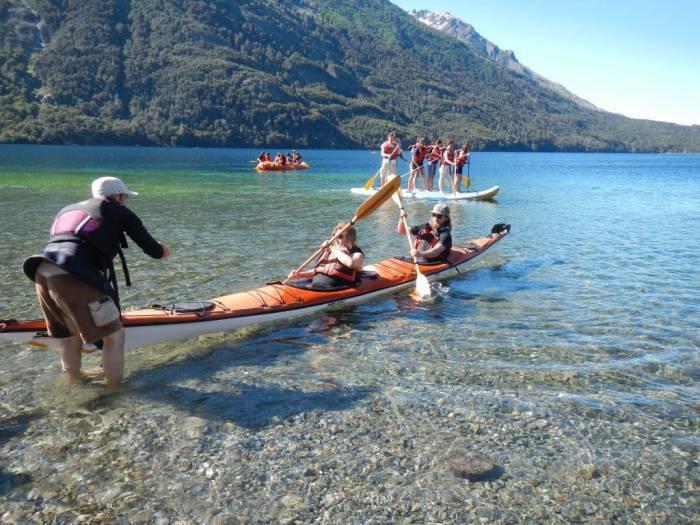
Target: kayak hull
[
  {"x": 436, "y": 195},
  {"x": 270, "y": 303},
  {"x": 273, "y": 166}
]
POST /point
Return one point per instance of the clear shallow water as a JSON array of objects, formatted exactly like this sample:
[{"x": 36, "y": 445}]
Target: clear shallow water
[{"x": 568, "y": 354}]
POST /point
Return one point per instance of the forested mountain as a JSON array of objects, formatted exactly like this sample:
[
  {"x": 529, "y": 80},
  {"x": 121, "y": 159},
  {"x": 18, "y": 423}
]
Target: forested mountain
[{"x": 302, "y": 73}]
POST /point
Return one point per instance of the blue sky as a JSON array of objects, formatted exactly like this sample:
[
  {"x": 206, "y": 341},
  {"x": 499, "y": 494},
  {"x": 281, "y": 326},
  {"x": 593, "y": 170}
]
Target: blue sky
[{"x": 639, "y": 58}]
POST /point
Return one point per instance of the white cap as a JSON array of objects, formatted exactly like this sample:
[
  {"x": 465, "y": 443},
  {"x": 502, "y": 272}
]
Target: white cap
[{"x": 108, "y": 186}]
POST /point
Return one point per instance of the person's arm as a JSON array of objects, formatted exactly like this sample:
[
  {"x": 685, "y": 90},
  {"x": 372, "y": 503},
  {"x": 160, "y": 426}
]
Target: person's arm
[
  {"x": 354, "y": 260},
  {"x": 135, "y": 229},
  {"x": 301, "y": 275},
  {"x": 431, "y": 252}
]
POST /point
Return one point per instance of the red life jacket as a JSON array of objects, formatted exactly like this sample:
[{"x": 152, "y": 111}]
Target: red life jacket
[
  {"x": 427, "y": 238},
  {"x": 462, "y": 157},
  {"x": 418, "y": 154},
  {"x": 391, "y": 148},
  {"x": 435, "y": 153},
  {"x": 328, "y": 264},
  {"x": 450, "y": 157}
]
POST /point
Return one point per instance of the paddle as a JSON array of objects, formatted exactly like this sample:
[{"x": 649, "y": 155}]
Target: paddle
[
  {"x": 367, "y": 207},
  {"x": 467, "y": 180},
  {"x": 370, "y": 182},
  {"x": 423, "y": 289}
]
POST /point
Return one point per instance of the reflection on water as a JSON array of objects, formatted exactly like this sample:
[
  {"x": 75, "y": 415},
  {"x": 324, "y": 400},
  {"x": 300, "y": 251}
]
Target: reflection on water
[{"x": 568, "y": 354}]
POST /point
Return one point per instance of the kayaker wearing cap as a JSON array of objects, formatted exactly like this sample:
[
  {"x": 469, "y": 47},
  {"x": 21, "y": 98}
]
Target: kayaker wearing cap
[
  {"x": 433, "y": 239},
  {"x": 338, "y": 265},
  {"x": 75, "y": 279}
]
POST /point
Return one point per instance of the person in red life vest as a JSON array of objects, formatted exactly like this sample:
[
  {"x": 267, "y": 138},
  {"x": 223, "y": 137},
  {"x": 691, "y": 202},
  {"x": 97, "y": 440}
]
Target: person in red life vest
[
  {"x": 433, "y": 240},
  {"x": 390, "y": 151},
  {"x": 434, "y": 156},
  {"x": 339, "y": 263},
  {"x": 418, "y": 153},
  {"x": 461, "y": 158},
  {"x": 280, "y": 159},
  {"x": 75, "y": 279},
  {"x": 447, "y": 164}
]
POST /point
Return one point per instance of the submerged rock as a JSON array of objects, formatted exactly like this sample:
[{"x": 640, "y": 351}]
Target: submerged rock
[{"x": 473, "y": 466}]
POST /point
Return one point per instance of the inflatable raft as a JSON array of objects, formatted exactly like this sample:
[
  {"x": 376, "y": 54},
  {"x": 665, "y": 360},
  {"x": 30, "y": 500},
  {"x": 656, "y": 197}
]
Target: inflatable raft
[
  {"x": 273, "y": 302},
  {"x": 273, "y": 166},
  {"x": 436, "y": 195}
]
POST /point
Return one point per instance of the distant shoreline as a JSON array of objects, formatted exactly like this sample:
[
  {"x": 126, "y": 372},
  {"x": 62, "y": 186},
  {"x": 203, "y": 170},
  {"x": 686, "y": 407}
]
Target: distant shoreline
[{"x": 330, "y": 148}]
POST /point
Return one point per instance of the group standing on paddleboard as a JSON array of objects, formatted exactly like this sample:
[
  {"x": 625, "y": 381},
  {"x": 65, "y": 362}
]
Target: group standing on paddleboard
[{"x": 450, "y": 162}]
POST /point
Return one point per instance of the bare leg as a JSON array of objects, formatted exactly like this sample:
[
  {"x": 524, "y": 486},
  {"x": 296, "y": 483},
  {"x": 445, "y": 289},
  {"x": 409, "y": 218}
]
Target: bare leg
[
  {"x": 422, "y": 175},
  {"x": 71, "y": 356},
  {"x": 113, "y": 358},
  {"x": 457, "y": 179},
  {"x": 412, "y": 181}
]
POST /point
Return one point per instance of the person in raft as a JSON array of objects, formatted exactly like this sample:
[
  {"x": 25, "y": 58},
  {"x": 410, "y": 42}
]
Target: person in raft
[
  {"x": 418, "y": 152},
  {"x": 75, "y": 280},
  {"x": 433, "y": 240},
  {"x": 339, "y": 263},
  {"x": 434, "y": 156},
  {"x": 461, "y": 158},
  {"x": 390, "y": 151},
  {"x": 447, "y": 164}
]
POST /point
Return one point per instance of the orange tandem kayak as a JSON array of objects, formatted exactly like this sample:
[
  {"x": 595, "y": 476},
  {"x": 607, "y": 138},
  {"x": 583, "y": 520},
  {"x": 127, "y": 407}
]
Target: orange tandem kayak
[
  {"x": 274, "y": 166},
  {"x": 273, "y": 302}
]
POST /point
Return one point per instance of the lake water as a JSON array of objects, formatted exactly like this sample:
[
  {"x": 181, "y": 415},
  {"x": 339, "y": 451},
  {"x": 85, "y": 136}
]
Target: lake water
[{"x": 568, "y": 354}]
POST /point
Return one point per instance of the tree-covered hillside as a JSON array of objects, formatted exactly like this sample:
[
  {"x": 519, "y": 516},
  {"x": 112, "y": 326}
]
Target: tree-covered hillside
[{"x": 322, "y": 73}]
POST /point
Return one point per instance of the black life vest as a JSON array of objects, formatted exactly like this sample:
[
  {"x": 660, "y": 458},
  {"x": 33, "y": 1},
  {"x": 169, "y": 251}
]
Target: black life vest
[
  {"x": 83, "y": 222},
  {"x": 329, "y": 265}
]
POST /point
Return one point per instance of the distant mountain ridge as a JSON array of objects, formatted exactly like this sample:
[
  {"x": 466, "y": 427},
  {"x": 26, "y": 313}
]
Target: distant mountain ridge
[
  {"x": 466, "y": 33},
  {"x": 281, "y": 73}
]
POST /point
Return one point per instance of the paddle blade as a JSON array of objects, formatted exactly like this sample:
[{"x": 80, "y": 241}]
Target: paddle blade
[
  {"x": 467, "y": 181},
  {"x": 370, "y": 182},
  {"x": 423, "y": 286},
  {"x": 376, "y": 200}
]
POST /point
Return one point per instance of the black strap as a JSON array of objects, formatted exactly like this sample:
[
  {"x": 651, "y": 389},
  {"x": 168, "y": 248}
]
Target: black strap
[{"x": 125, "y": 268}]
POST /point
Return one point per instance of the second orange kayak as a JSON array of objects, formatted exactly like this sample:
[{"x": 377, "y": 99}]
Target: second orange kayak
[{"x": 273, "y": 166}]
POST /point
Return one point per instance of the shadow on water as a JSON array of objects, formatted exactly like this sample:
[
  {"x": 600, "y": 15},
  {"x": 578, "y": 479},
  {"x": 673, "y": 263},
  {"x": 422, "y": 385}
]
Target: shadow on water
[
  {"x": 253, "y": 406},
  {"x": 9, "y": 428}
]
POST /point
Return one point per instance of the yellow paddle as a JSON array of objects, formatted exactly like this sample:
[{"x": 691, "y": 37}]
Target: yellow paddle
[
  {"x": 367, "y": 207},
  {"x": 423, "y": 289},
  {"x": 467, "y": 180},
  {"x": 370, "y": 182}
]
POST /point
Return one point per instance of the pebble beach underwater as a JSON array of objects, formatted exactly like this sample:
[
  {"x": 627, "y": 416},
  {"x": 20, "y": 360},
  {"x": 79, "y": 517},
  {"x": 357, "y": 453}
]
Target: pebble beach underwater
[{"x": 554, "y": 381}]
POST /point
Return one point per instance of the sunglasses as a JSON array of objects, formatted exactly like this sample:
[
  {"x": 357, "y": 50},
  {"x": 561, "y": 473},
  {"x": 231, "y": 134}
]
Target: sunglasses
[{"x": 438, "y": 215}]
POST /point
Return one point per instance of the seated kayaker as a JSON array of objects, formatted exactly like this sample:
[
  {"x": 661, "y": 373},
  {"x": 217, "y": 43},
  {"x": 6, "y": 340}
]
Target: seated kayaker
[
  {"x": 339, "y": 263},
  {"x": 433, "y": 240}
]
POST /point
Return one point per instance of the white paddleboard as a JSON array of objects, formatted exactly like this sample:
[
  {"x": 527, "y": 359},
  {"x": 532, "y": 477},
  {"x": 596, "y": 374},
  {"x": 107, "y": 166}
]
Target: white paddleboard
[{"x": 436, "y": 195}]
